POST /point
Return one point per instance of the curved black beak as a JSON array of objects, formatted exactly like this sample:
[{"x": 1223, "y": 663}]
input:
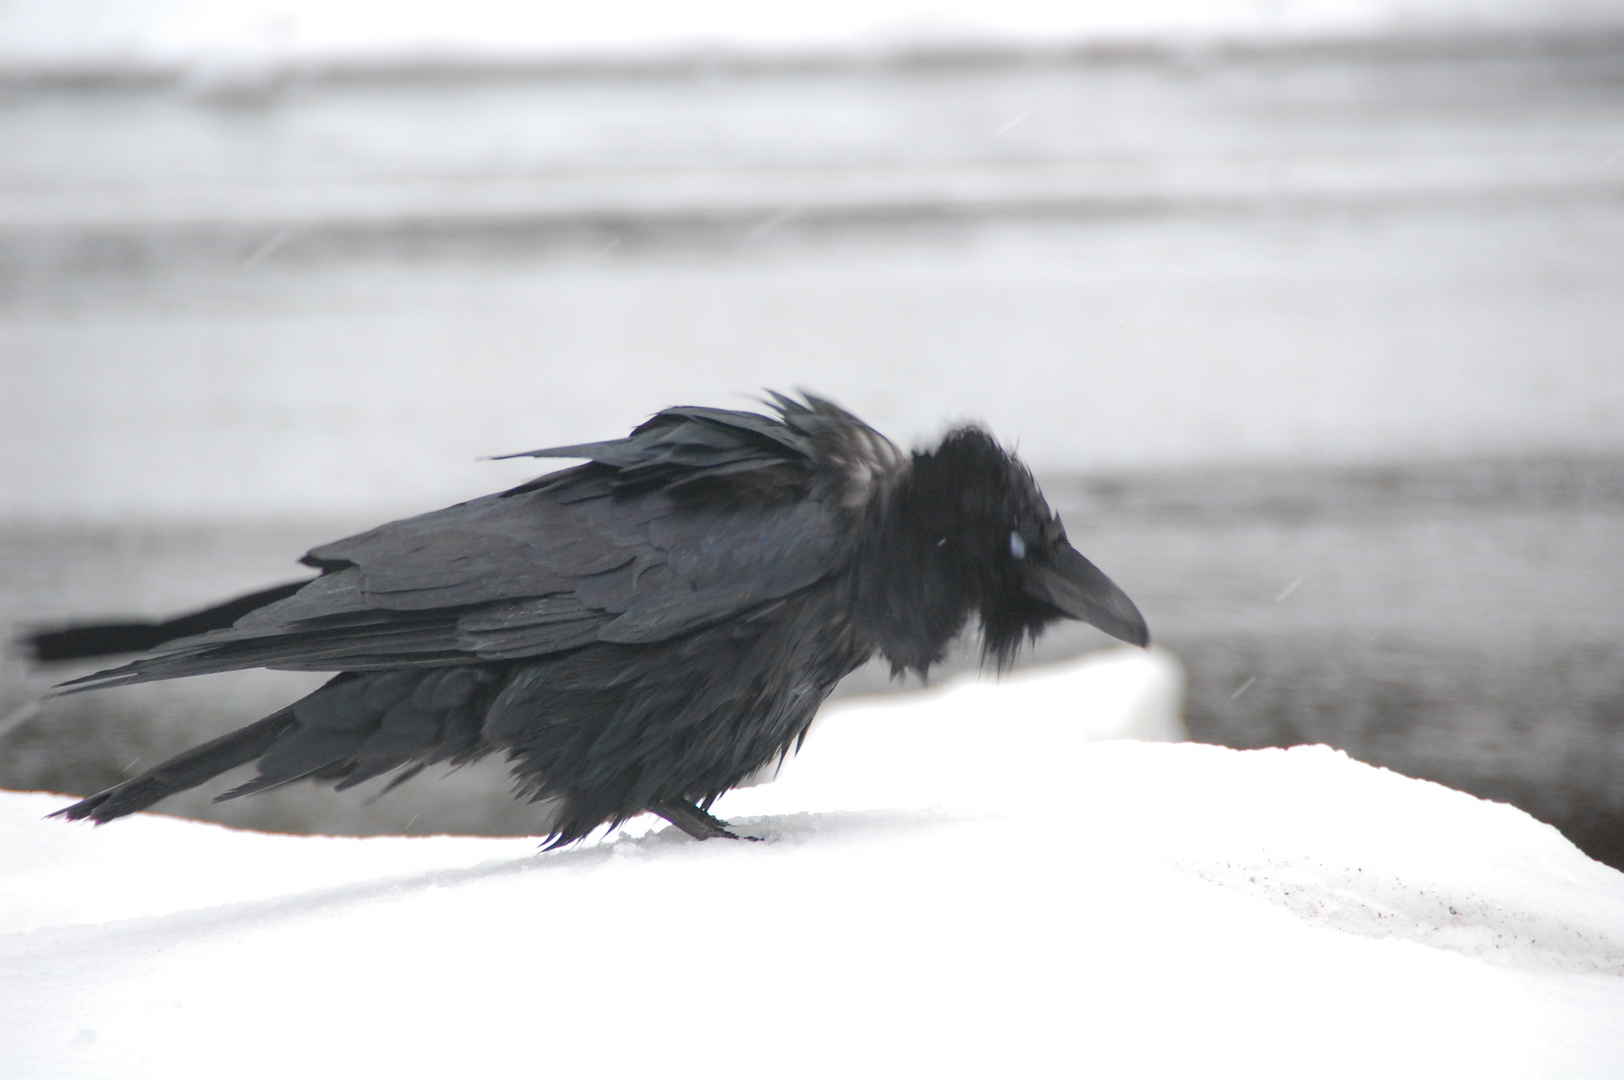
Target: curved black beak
[{"x": 1078, "y": 588}]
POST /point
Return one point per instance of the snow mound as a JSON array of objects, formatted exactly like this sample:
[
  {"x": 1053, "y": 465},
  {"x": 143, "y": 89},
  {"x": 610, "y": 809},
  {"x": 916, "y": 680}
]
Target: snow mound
[
  {"x": 1336, "y": 842},
  {"x": 1368, "y": 851},
  {"x": 991, "y": 892}
]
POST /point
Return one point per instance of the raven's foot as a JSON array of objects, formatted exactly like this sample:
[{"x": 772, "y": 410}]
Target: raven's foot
[{"x": 695, "y": 822}]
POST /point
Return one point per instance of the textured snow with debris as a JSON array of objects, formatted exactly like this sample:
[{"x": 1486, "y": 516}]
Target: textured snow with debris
[{"x": 965, "y": 881}]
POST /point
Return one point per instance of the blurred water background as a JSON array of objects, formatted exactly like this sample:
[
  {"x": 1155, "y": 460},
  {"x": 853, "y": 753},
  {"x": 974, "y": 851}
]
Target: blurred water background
[{"x": 1307, "y": 316}]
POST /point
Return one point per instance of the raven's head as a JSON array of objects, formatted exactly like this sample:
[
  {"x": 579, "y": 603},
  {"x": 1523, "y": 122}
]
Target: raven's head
[{"x": 964, "y": 530}]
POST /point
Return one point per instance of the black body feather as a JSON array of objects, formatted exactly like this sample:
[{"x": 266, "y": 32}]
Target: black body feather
[{"x": 638, "y": 633}]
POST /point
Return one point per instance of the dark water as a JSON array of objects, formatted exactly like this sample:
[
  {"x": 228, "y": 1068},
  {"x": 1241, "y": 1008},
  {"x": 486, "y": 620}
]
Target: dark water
[{"x": 1459, "y": 622}]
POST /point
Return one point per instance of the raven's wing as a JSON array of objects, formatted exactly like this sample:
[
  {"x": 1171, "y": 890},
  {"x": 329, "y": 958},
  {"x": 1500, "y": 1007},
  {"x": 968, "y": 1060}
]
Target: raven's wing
[{"x": 697, "y": 516}]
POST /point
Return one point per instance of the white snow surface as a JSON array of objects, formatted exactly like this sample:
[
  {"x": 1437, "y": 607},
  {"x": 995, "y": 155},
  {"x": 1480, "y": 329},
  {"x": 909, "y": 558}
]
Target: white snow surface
[
  {"x": 210, "y": 34},
  {"x": 968, "y": 881}
]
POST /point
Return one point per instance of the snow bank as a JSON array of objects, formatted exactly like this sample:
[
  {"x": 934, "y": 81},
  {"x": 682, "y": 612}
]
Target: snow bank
[{"x": 965, "y": 883}]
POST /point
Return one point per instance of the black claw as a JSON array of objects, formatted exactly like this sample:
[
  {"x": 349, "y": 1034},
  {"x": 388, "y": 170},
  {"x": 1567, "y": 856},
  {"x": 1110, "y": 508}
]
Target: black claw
[{"x": 696, "y": 822}]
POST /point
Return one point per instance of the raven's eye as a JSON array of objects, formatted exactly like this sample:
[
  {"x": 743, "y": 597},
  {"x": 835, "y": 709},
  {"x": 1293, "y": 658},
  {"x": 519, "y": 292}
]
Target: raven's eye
[{"x": 1017, "y": 546}]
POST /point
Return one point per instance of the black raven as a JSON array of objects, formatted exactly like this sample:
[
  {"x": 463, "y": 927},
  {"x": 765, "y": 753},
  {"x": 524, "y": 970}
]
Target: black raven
[{"x": 637, "y": 633}]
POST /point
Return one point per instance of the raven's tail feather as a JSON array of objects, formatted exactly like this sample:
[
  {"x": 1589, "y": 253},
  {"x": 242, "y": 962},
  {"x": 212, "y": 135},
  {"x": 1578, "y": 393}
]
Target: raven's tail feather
[
  {"x": 184, "y": 771},
  {"x": 357, "y": 726},
  {"x": 112, "y": 638}
]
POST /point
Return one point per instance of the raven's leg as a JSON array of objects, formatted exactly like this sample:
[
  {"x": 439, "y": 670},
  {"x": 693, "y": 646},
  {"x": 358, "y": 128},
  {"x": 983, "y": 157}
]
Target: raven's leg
[{"x": 694, "y": 821}]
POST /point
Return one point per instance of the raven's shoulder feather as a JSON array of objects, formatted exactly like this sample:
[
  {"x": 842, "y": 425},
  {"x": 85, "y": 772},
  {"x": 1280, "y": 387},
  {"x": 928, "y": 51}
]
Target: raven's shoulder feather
[{"x": 685, "y": 439}]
